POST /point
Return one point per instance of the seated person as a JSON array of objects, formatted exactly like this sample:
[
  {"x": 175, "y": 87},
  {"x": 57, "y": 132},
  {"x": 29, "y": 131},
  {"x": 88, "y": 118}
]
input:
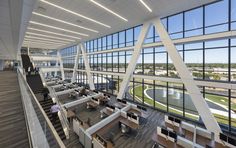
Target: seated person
[
  {"x": 104, "y": 99},
  {"x": 88, "y": 122},
  {"x": 82, "y": 92}
]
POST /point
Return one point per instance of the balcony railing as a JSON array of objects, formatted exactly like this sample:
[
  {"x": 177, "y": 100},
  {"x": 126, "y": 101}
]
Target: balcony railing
[{"x": 41, "y": 131}]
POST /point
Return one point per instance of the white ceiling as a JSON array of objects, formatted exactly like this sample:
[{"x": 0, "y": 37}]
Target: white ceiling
[
  {"x": 14, "y": 17},
  {"x": 11, "y": 35}
]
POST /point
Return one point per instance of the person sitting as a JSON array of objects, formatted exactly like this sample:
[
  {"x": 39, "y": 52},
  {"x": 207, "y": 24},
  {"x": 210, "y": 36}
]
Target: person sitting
[
  {"x": 104, "y": 99},
  {"x": 82, "y": 92},
  {"x": 88, "y": 122}
]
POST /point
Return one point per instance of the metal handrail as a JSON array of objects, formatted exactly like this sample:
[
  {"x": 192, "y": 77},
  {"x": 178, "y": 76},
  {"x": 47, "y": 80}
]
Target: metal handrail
[
  {"x": 64, "y": 120},
  {"x": 55, "y": 134}
]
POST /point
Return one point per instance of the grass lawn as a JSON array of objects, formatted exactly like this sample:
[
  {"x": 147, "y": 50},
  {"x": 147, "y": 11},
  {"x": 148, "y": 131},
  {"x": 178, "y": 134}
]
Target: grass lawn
[
  {"x": 221, "y": 100},
  {"x": 221, "y": 119},
  {"x": 138, "y": 93}
]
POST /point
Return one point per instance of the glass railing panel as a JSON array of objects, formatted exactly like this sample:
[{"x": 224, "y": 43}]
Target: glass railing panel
[{"x": 42, "y": 132}]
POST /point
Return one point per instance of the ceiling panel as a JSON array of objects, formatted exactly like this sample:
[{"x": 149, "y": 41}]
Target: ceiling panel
[{"x": 132, "y": 10}]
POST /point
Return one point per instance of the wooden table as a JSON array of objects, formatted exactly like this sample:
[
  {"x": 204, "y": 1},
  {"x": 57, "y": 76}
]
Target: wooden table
[
  {"x": 203, "y": 141},
  {"x": 92, "y": 104},
  {"x": 73, "y": 95},
  {"x": 119, "y": 105},
  {"x": 176, "y": 129},
  {"x": 70, "y": 115},
  {"x": 103, "y": 100},
  {"x": 129, "y": 123},
  {"x": 108, "y": 143},
  {"x": 106, "y": 112},
  {"x": 164, "y": 142},
  {"x": 137, "y": 112}
]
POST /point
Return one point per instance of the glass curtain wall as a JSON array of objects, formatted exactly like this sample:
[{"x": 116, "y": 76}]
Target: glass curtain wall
[
  {"x": 213, "y": 61},
  {"x": 68, "y": 58}
]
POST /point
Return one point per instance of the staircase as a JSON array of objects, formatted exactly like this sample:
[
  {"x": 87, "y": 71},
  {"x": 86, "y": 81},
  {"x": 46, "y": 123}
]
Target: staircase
[
  {"x": 46, "y": 105},
  {"x": 34, "y": 81},
  {"x": 26, "y": 62},
  {"x": 37, "y": 87}
]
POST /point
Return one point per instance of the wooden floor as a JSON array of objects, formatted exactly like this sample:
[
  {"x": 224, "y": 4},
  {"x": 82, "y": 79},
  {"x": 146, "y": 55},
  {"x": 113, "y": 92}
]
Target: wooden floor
[
  {"x": 13, "y": 131},
  {"x": 143, "y": 136}
]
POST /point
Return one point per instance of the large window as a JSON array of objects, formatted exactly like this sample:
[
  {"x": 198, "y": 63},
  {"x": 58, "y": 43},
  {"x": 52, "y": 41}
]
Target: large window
[
  {"x": 216, "y": 24},
  {"x": 208, "y": 61}
]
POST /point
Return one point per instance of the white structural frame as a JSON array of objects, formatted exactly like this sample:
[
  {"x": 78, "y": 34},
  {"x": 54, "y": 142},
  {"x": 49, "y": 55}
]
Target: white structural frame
[
  {"x": 134, "y": 59},
  {"x": 185, "y": 75},
  {"x": 165, "y": 79},
  {"x": 87, "y": 67},
  {"x": 187, "y": 79},
  {"x": 75, "y": 64},
  {"x": 61, "y": 65}
]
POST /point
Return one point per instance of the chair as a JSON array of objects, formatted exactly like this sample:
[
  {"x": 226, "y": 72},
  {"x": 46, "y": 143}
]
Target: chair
[
  {"x": 124, "y": 130},
  {"x": 111, "y": 138}
]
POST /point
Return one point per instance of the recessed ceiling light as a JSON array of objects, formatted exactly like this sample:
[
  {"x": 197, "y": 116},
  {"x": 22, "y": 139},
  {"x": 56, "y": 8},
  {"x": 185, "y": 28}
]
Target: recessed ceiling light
[
  {"x": 53, "y": 33},
  {"x": 58, "y": 20},
  {"x": 145, "y": 5},
  {"x": 33, "y": 37},
  {"x": 72, "y": 12},
  {"x": 53, "y": 37},
  {"x": 109, "y": 10},
  {"x": 45, "y": 25}
]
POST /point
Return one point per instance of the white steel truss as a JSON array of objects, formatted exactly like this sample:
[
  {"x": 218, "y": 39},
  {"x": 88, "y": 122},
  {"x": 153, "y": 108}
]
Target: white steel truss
[
  {"x": 134, "y": 59},
  {"x": 61, "y": 65},
  {"x": 185, "y": 75},
  {"x": 75, "y": 64},
  {"x": 187, "y": 79},
  {"x": 87, "y": 67}
]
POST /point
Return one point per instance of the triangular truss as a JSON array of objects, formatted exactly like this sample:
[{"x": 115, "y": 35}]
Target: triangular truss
[{"x": 185, "y": 75}]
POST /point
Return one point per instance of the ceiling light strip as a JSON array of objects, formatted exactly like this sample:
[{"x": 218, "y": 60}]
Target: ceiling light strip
[
  {"x": 145, "y": 5},
  {"x": 38, "y": 41},
  {"x": 53, "y": 33},
  {"x": 48, "y": 17},
  {"x": 48, "y": 36},
  {"x": 41, "y": 44},
  {"x": 109, "y": 10},
  {"x": 72, "y": 12},
  {"x": 33, "y": 37},
  {"x": 45, "y": 25}
]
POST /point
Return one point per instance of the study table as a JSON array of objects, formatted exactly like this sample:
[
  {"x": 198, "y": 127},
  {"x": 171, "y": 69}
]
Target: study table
[
  {"x": 129, "y": 123},
  {"x": 106, "y": 112},
  {"x": 70, "y": 115},
  {"x": 203, "y": 141},
  {"x": 92, "y": 104},
  {"x": 119, "y": 105},
  {"x": 164, "y": 142},
  {"x": 138, "y": 112}
]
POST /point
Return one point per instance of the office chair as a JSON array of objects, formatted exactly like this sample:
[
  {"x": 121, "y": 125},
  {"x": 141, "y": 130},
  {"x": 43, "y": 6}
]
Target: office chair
[
  {"x": 124, "y": 130},
  {"x": 155, "y": 145},
  {"x": 111, "y": 138}
]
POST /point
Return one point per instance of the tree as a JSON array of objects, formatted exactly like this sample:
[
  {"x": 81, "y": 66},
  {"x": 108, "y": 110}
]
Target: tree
[{"x": 216, "y": 77}]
